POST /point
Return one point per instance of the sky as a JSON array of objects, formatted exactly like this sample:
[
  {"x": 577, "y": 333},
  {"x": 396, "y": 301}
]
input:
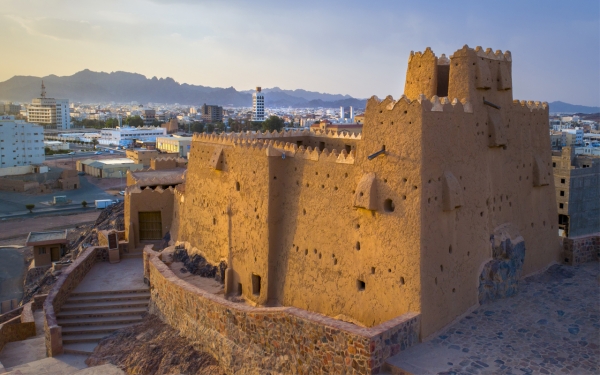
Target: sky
[{"x": 359, "y": 48}]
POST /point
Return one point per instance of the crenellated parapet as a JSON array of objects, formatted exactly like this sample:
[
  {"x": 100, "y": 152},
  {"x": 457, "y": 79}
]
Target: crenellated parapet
[
  {"x": 279, "y": 148},
  {"x": 435, "y": 104},
  {"x": 530, "y": 105},
  {"x": 232, "y": 138}
]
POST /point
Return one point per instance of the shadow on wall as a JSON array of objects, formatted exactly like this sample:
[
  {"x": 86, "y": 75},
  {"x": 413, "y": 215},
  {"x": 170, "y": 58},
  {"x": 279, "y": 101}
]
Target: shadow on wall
[{"x": 500, "y": 276}]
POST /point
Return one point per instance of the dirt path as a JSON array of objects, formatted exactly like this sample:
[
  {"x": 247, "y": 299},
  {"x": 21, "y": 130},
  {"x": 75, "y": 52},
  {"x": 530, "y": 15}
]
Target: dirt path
[{"x": 20, "y": 227}]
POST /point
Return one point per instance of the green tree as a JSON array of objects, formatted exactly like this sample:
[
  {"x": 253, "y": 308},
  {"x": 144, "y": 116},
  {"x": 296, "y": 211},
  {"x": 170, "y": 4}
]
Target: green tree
[
  {"x": 155, "y": 122},
  {"x": 237, "y": 126},
  {"x": 273, "y": 123},
  {"x": 112, "y": 123},
  {"x": 197, "y": 127},
  {"x": 84, "y": 204},
  {"x": 30, "y": 207},
  {"x": 220, "y": 127},
  {"x": 94, "y": 142},
  {"x": 134, "y": 121},
  {"x": 255, "y": 125},
  {"x": 210, "y": 128}
]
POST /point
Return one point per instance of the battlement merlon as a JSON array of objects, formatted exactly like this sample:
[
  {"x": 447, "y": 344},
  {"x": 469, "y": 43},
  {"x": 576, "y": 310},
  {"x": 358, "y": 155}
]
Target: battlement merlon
[
  {"x": 231, "y": 138},
  {"x": 469, "y": 75}
]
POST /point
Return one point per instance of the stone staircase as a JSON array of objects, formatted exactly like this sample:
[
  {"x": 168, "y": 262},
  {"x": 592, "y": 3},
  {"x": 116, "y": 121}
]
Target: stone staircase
[{"x": 88, "y": 317}]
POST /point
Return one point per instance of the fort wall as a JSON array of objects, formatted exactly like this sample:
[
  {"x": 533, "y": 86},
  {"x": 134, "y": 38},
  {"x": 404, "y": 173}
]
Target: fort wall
[
  {"x": 409, "y": 216},
  {"x": 273, "y": 339}
]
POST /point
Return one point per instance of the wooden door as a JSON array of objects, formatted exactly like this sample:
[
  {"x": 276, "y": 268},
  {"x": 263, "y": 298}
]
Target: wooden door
[
  {"x": 55, "y": 254},
  {"x": 150, "y": 225}
]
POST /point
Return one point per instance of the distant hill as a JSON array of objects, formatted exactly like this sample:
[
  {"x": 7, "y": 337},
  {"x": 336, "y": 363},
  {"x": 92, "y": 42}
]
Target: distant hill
[
  {"x": 571, "y": 108},
  {"x": 123, "y": 87}
]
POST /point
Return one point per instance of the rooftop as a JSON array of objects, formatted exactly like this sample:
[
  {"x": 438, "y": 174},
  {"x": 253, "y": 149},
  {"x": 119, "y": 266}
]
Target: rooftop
[
  {"x": 46, "y": 238},
  {"x": 160, "y": 177}
]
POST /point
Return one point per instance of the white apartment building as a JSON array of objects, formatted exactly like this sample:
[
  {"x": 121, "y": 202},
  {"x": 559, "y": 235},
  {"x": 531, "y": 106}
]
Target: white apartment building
[
  {"x": 124, "y": 135},
  {"x": 258, "y": 105},
  {"x": 49, "y": 112},
  {"x": 21, "y": 143}
]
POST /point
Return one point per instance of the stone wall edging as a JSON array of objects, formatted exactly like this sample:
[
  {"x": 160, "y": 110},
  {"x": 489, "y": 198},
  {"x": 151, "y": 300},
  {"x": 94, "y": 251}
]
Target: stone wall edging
[
  {"x": 18, "y": 328},
  {"x": 67, "y": 281},
  {"x": 11, "y": 314},
  {"x": 582, "y": 249},
  {"x": 291, "y": 338}
]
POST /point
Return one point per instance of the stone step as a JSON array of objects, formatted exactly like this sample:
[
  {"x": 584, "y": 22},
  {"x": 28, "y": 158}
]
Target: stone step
[
  {"x": 109, "y": 292},
  {"x": 105, "y": 328},
  {"x": 104, "y": 305},
  {"x": 85, "y": 348},
  {"x": 132, "y": 255},
  {"x": 108, "y": 296},
  {"x": 99, "y": 321},
  {"x": 88, "y": 337},
  {"x": 101, "y": 313}
]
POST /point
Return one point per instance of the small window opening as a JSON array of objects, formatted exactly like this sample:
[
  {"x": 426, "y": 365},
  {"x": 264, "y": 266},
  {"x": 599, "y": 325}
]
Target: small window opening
[
  {"x": 562, "y": 193},
  {"x": 388, "y": 205},
  {"x": 372, "y": 270},
  {"x": 321, "y": 146},
  {"x": 256, "y": 285},
  {"x": 299, "y": 143},
  {"x": 239, "y": 289},
  {"x": 237, "y": 186},
  {"x": 561, "y": 205},
  {"x": 562, "y": 180},
  {"x": 402, "y": 281},
  {"x": 357, "y": 245},
  {"x": 450, "y": 249},
  {"x": 348, "y": 148},
  {"x": 360, "y": 285}
]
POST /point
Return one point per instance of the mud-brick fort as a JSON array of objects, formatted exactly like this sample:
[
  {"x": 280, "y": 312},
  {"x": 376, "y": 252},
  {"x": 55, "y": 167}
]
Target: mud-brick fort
[{"x": 339, "y": 250}]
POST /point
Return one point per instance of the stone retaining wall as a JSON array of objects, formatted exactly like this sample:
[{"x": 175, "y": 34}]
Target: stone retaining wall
[
  {"x": 19, "y": 327},
  {"x": 67, "y": 281},
  {"x": 34, "y": 273},
  {"x": 11, "y": 314},
  {"x": 279, "y": 339},
  {"x": 579, "y": 250}
]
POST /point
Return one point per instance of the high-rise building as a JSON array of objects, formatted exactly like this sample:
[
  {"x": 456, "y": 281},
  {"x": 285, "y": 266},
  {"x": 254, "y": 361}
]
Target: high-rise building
[
  {"x": 347, "y": 113},
  {"x": 22, "y": 143},
  {"x": 49, "y": 112},
  {"x": 8, "y": 108},
  {"x": 258, "y": 105},
  {"x": 148, "y": 115},
  {"x": 211, "y": 113}
]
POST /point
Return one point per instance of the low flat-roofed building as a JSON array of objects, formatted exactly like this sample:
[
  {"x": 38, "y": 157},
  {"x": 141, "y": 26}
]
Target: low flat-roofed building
[
  {"x": 48, "y": 247},
  {"x": 141, "y": 155},
  {"x": 163, "y": 178},
  {"x": 338, "y": 127},
  {"x": 56, "y": 145},
  {"x": 108, "y": 168},
  {"x": 174, "y": 145}
]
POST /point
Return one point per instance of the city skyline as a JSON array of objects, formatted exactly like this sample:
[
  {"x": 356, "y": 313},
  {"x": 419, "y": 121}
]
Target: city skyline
[{"x": 339, "y": 48}]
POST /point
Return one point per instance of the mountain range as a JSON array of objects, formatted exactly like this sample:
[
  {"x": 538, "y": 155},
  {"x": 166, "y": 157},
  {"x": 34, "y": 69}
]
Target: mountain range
[
  {"x": 562, "y": 107},
  {"x": 87, "y": 86}
]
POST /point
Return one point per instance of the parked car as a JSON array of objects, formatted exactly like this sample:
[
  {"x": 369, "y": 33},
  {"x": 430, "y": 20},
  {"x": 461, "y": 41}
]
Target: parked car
[
  {"x": 81, "y": 174},
  {"x": 122, "y": 192},
  {"x": 98, "y": 153},
  {"x": 71, "y": 153}
]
